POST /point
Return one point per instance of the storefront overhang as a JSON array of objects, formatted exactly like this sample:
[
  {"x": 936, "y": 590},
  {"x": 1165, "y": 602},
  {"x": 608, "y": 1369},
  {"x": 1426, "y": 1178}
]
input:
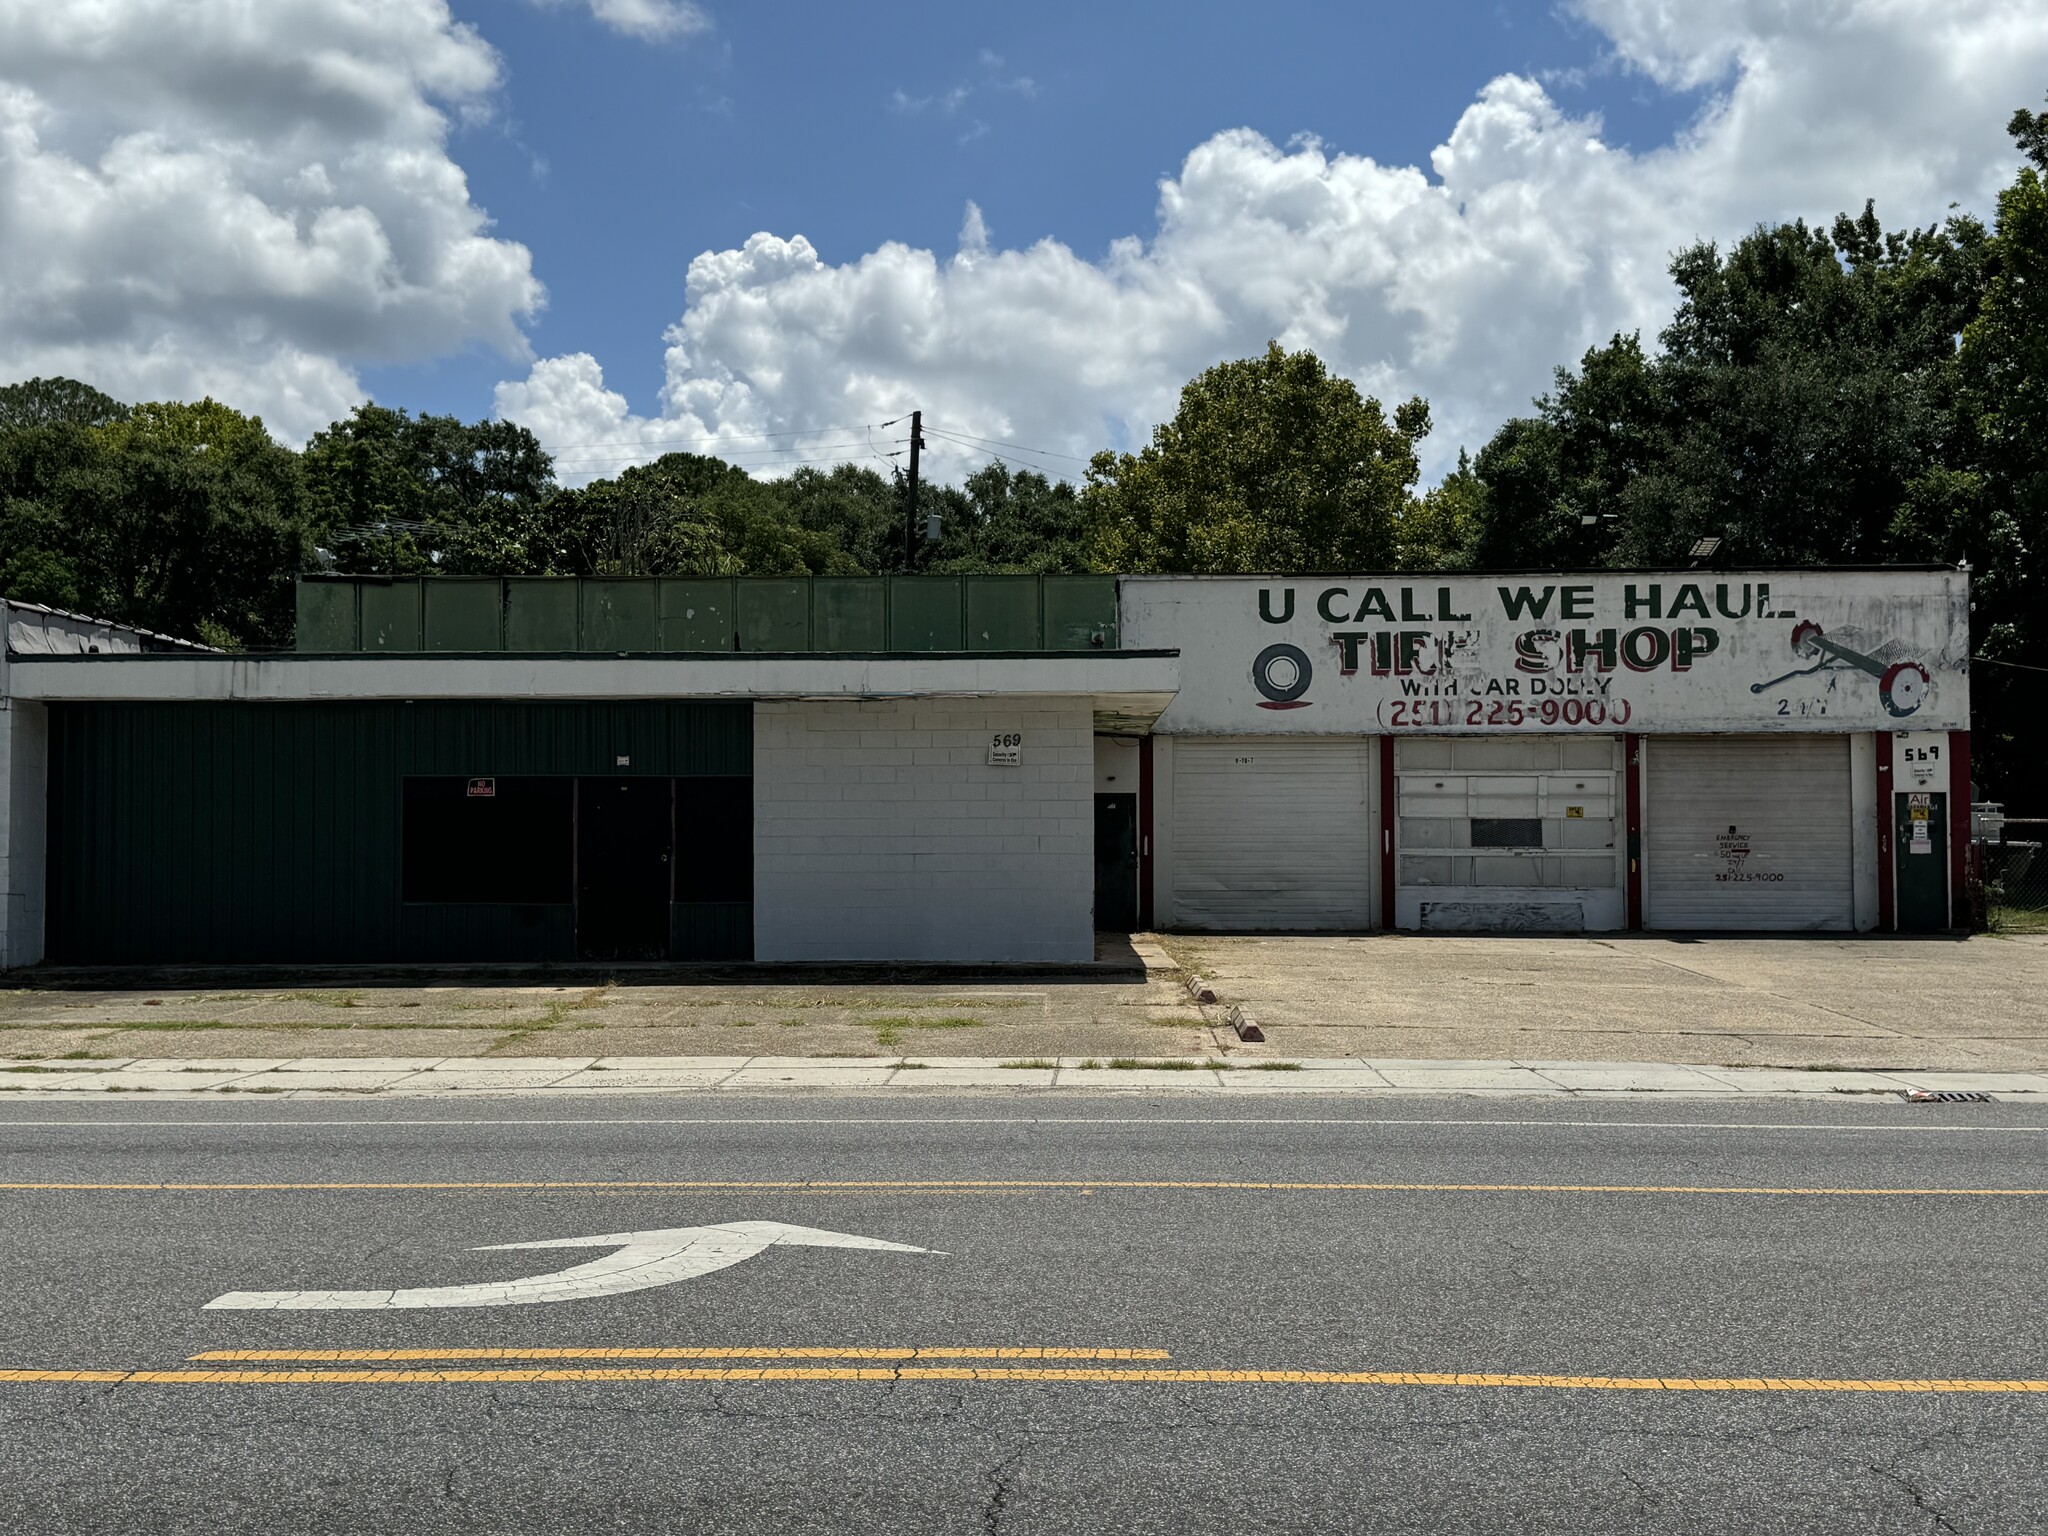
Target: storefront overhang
[{"x": 1129, "y": 690}]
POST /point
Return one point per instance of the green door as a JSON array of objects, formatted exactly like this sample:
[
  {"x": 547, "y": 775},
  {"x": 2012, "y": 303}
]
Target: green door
[{"x": 1920, "y": 861}]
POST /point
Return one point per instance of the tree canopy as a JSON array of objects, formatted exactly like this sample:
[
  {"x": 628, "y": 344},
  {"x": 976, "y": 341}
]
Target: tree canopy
[{"x": 1270, "y": 464}]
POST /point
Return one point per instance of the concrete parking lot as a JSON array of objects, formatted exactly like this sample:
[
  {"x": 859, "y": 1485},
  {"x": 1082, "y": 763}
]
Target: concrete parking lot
[{"x": 1812, "y": 1002}]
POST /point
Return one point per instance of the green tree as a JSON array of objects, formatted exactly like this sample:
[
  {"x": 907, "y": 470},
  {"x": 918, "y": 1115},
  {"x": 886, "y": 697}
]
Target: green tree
[
  {"x": 2001, "y": 519},
  {"x": 1802, "y": 410},
  {"x": 52, "y": 402},
  {"x": 685, "y": 514},
  {"x": 1440, "y": 529},
  {"x": 179, "y": 517},
  {"x": 390, "y": 491},
  {"x": 1011, "y": 521},
  {"x": 1270, "y": 464}
]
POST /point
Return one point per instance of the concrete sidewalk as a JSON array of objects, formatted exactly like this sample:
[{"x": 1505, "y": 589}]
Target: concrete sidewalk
[{"x": 416, "y": 1077}]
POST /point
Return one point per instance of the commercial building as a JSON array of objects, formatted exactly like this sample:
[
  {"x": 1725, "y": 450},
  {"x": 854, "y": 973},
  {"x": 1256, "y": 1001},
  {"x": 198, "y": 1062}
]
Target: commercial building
[{"x": 961, "y": 769}]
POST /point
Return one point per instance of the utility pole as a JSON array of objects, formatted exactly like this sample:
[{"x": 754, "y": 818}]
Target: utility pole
[{"x": 910, "y": 516}]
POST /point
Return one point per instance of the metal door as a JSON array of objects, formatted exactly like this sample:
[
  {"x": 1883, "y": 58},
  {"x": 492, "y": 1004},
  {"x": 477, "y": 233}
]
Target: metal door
[
  {"x": 1748, "y": 832},
  {"x": 1274, "y": 832},
  {"x": 1116, "y": 863},
  {"x": 1920, "y": 861},
  {"x": 624, "y": 842}
]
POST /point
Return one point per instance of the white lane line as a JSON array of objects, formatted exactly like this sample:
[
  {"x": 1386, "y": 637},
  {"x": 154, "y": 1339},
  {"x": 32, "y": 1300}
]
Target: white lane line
[{"x": 863, "y": 1120}]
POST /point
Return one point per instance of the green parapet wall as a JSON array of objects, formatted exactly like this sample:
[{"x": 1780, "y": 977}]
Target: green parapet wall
[{"x": 563, "y": 615}]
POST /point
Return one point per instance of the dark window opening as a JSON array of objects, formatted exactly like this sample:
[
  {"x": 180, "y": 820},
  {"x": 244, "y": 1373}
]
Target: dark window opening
[
  {"x": 511, "y": 845},
  {"x": 1507, "y": 832},
  {"x": 714, "y": 840}
]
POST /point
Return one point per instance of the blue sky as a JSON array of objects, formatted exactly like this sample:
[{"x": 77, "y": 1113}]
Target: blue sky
[
  {"x": 636, "y": 225},
  {"x": 617, "y": 159}
]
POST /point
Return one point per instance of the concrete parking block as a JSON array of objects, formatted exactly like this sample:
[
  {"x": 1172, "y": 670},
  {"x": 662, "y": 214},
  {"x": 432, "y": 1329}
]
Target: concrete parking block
[
  {"x": 557, "y": 1064},
  {"x": 366, "y": 1064}
]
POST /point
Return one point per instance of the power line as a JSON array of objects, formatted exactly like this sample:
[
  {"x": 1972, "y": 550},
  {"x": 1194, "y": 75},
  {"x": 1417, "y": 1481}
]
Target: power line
[
  {"x": 970, "y": 439},
  {"x": 743, "y": 437}
]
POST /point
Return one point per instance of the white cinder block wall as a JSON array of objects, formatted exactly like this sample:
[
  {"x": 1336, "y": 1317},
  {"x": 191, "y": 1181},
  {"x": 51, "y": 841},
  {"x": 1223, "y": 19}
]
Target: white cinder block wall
[{"x": 881, "y": 832}]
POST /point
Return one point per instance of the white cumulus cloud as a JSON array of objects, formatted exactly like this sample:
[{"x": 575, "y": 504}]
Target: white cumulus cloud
[
  {"x": 210, "y": 196},
  {"x": 649, "y": 19},
  {"x": 1529, "y": 237}
]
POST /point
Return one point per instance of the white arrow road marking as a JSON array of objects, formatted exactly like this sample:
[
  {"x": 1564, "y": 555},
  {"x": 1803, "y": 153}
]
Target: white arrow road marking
[{"x": 643, "y": 1260}]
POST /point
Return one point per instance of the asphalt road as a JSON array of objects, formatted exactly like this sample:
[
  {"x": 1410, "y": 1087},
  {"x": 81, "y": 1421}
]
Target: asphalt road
[{"x": 1741, "y": 1254}]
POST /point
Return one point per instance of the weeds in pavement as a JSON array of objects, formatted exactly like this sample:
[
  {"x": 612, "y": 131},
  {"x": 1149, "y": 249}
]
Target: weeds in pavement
[
  {"x": 889, "y": 1031},
  {"x": 1090, "y": 1062},
  {"x": 327, "y": 999},
  {"x": 1277, "y": 1066},
  {"x": 1041, "y": 1064}
]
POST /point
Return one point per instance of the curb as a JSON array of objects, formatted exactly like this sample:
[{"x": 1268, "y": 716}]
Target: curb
[{"x": 41, "y": 1082}]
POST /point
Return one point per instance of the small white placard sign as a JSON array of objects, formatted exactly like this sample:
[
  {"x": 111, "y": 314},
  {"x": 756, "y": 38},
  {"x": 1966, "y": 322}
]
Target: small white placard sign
[{"x": 1006, "y": 749}]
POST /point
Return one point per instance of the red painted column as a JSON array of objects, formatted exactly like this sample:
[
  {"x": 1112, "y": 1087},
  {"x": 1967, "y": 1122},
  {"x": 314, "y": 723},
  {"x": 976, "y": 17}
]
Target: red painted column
[
  {"x": 1960, "y": 848},
  {"x": 1145, "y": 833},
  {"x": 1387, "y": 832},
  {"x": 1632, "y": 802},
  {"x": 1887, "y": 897}
]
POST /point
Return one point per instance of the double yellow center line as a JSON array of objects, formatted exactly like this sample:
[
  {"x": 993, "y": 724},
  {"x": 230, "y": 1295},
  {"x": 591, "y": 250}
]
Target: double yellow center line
[{"x": 405, "y": 1367}]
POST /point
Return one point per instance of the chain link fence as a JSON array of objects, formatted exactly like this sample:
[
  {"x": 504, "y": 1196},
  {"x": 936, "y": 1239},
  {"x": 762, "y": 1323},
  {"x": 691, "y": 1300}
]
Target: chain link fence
[{"x": 2015, "y": 873}]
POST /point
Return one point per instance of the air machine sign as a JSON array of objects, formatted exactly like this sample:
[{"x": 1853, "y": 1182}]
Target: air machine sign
[{"x": 1684, "y": 651}]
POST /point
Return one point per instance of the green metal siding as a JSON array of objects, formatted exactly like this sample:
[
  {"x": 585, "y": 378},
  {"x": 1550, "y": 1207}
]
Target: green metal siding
[
  {"x": 254, "y": 833},
  {"x": 327, "y": 616},
  {"x": 1077, "y": 610},
  {"x": 924, "y": 613},
  {"x": 1002, "y": 613},
  {"x": 540, "y": 614},
  {"x": 391, "y": 615},
  {"x": 774, "y": 614},
  {"x": 465, "y": 614},
  {"x": 697, "y": 614},
  {"x": 847, "y": 613},
  {"x": 828, "y": 614},
  {"x": 619, "y": 615}
]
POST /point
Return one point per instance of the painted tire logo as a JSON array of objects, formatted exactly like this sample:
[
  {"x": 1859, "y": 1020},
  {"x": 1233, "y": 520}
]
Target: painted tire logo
[
  {"x": 1904, "y": 687},
  {"x": 1282, "y": 673}
]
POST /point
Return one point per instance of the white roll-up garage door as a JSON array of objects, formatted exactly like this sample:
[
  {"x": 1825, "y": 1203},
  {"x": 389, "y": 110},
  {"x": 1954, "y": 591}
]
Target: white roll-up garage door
[
  {"x": 1274, "y": 832},
  {"x": 1748, "y": 832}
]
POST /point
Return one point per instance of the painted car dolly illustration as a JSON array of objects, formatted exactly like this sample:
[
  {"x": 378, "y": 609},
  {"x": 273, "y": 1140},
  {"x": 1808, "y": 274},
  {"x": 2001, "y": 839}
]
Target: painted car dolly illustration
[{"x": 1902, "y": 685}]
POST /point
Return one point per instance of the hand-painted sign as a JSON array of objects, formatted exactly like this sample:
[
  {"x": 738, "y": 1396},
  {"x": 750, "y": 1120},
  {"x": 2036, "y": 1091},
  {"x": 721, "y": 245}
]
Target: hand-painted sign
[
  {"x": 483, "y": 789},
  {"x": 1680, "y": 651},
  {"x": 643, "y": 1260}
]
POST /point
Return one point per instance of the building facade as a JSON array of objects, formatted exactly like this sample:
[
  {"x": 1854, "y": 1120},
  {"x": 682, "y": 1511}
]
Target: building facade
[
  {"x": 986, "y": 769},
  {"x": 1760, "y": 751}
]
